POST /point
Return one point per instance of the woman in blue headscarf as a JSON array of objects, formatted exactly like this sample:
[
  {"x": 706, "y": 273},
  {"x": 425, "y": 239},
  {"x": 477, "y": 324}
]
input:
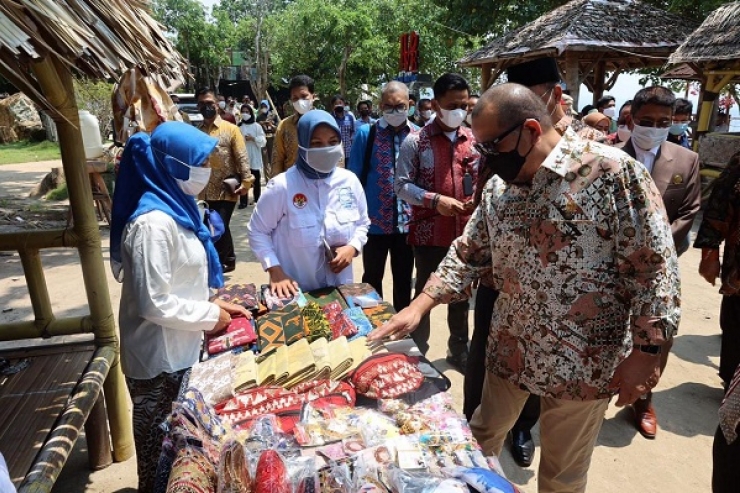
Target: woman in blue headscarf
[
  {"x": 163, "y": 254},
  {"x": 311, "y": 221}
]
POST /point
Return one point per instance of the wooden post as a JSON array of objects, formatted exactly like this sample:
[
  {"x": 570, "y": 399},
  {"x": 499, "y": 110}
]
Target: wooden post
[
  {"x": 599, "y": 75},
  {"x": 572, "y": 77},
  {"x": 55, "y": 81},
  {"x": 485, "y": 76},
  {"x": 97, "y": 437}
]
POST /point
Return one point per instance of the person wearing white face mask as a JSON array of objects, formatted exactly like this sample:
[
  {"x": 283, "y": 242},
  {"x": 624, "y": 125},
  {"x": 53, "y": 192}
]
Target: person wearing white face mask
[
  {"x": 436, "y": 173},
  {"x": 607, "y": 106},
  {"x": 373, "y": 159},
  {"x": 311, "y": 221},
  {"x": 675, "y": 171},
  {"x": 163, "y": 254},
  {"x": 285, "y": 148}
]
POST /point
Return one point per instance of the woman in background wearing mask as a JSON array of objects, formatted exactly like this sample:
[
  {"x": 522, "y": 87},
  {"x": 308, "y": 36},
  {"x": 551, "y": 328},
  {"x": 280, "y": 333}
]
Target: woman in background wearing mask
[
  {"x": 256, "y": 140},
  {"x": 162, "y": 253},
  {"x": 285, "y": 150},
  {"x": 599, "y": 121},
  {"x": 312, "y": 220}
]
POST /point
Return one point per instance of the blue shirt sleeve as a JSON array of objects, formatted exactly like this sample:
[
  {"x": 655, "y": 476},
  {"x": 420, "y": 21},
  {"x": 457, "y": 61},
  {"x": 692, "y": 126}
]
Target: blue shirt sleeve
[{"x": 357, "y": 154}]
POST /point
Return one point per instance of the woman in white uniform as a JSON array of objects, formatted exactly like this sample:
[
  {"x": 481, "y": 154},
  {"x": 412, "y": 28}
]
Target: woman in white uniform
[
  {"x": 162, "y": 253},
  {"x": 311, "y": 221},
  {"x": 255, "y": 139}
]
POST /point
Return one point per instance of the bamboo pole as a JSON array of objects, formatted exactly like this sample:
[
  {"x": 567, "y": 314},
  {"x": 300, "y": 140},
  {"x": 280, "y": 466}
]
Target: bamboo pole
[
  {"x": 55, "y": 80},
  {"x": 572, "y": 77},
  {"x": 15, "y": 331},
  {"x": 36, "y": 282},
  {"x": 50, "y": 238},
  {"x": 56, "y": 450}
]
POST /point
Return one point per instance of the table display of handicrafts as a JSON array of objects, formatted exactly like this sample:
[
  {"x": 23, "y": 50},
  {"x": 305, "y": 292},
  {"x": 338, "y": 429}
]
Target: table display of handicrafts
[{"x": 295, "y": 401}]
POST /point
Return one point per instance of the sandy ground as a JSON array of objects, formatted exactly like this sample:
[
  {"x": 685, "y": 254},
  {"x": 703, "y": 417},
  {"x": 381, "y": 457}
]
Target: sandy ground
[{"x": 678, "y": 460}]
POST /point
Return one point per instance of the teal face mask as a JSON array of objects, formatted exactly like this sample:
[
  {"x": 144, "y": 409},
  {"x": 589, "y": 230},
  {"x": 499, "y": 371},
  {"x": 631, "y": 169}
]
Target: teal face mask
[
  {"x": 678, "y": 129},
  {"x": 412, "y": 110}
]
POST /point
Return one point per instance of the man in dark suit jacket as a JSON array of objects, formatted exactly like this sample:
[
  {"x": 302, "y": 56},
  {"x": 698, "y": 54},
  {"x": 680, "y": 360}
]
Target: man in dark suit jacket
[{"x": 675, "y": 171}]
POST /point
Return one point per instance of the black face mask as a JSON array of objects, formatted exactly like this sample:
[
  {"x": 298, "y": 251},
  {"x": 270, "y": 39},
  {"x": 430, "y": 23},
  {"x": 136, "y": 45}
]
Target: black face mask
[
  {"x": 364, "y": 112},
  {"x": 508, "y": 164},
  {"x": 208, "y": 112},
  {"x": 339, "y": 109}
]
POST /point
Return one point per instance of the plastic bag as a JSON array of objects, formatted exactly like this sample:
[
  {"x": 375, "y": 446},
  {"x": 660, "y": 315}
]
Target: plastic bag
[
  {"x": 233, "y": 469},
  {"x": 302, "y": 474},
  {"x": 272, "y": 474},
  {"x": 401, "y": 481}
]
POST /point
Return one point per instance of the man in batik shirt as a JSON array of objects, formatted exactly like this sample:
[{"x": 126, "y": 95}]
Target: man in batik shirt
[{"x": 580, "y": 250}]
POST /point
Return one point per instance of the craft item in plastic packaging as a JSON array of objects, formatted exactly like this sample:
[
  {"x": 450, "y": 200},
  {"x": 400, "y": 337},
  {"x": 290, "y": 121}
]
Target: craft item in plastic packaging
[
  {"x": 481, "y": 480},
  {"x": 376, "y": 428},
  {"x": 302, "y": 474},
  {"x": 233, "y": 469},
  {"x": 401, "y": 481},
  {"x": 272, "y": 475}
]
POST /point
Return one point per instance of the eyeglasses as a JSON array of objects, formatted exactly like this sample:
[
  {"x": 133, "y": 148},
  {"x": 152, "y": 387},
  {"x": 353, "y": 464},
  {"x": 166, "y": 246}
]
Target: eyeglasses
[
  {"x": 488, "y": 149},
  {"x": 664, "y": 123},
  {"x": 399, "y": 108}
]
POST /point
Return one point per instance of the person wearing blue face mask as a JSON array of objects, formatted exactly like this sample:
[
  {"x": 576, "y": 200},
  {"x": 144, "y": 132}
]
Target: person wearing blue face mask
[
  {"x": 675, "y": 171},
  {"x": 679, "y": 131},
  {"x": 311, "y": 221},
  {"x": 163, "y": 254}
]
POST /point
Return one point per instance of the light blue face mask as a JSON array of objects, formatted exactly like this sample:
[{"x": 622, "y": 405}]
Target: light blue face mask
[{"x": 678, "y": 129}]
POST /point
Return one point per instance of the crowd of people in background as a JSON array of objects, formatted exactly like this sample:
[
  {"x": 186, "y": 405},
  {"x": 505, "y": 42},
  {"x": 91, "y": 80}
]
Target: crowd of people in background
[{"x": 567, "y": 227}]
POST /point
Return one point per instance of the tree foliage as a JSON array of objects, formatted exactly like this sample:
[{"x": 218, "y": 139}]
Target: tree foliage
[
  {"x": 346, "y": 43},
  {"x": 204, "y": 41}
]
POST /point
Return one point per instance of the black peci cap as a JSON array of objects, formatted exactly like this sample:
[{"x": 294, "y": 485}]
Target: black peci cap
[{"x": 534, "y": 72}]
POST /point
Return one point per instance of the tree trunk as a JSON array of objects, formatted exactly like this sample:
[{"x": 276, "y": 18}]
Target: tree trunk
[{"x": 342, "y": 72}]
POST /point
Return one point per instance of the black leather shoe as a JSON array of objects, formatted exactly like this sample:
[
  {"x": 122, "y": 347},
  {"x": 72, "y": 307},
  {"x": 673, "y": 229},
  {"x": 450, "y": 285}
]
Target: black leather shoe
[
  {"x": 522, "y": 448},
  {"x": 458, "y": 361},
  {"x": 229, "y": 267},
  {"x": 242, "y": 206}
]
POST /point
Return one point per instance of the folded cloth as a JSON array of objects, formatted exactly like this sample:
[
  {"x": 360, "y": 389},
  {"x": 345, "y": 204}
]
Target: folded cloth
[
  {"x": 324, "y": 296},
  {"x": 240, "y": 294},
  {"x": 281, "y": 365},
  {"x": 379, "y": 315},
  {"x": 315, "y": 321},
  {"x": 212, "y": 378},
  {"x": 270, "y": 330},
  {"x": 351, "y": 291},
  {"x": 280, "y": 327},
  {"x": 266, "y": 371},
  {"x": 340, "y": 324},
  {"x": 192, "y": 472},
  {"x": 360, "y": 321},
  {"x": 301, "y": 364},
  {"x": 320, "y": 350},
  {"x": 340, "y": 357},
  {"x": 360, "y": 352},
  {"x": 273, "y": 302},
  {"x": 244, "y": 371},
  {"x": 240, "y": 332}
]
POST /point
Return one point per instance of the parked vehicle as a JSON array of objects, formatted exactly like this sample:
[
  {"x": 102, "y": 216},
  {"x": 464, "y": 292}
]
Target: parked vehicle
[{"x": 189, "y": 105}]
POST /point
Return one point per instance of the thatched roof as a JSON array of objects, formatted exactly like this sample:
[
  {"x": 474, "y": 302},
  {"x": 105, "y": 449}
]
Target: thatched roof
[
  {"x": 97, "y": 38},
  {"x": 619, "y": 29},
  {"x": 718, "y": 38}
]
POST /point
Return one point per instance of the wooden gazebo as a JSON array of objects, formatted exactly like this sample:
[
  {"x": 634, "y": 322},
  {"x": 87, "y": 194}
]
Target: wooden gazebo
[
  {"x": 711, "y": 54},
  {"x": 42, "y": 43},
  {"x": 590, "y": 39}
]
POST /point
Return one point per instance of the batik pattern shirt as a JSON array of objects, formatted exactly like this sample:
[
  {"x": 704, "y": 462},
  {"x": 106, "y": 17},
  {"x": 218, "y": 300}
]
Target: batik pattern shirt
[
  {"x": 721, "y": 222},
  {"x": 429, "y": 164},
  {"x": 229, "y": 159},
  {"x": 285, "y": 148},
  {"x": 585, "y": 265}
]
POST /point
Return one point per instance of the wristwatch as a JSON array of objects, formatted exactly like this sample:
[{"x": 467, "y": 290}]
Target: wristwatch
[{"x": 654, "y": 350}]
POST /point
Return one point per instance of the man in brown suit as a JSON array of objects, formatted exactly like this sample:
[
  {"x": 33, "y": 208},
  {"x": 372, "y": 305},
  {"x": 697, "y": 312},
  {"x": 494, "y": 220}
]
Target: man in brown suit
[{"x": 675, "y": 171}]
